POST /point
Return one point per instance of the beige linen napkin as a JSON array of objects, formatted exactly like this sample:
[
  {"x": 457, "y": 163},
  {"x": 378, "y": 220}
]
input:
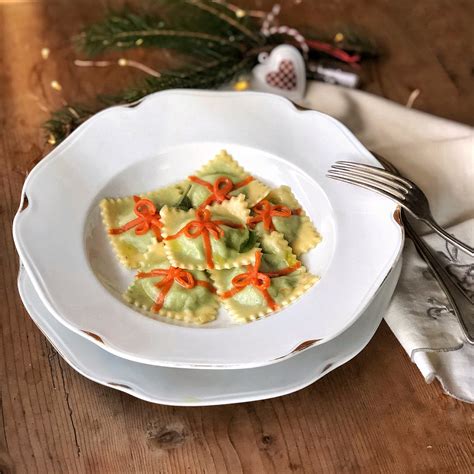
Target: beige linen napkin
[{"x": 438, "y": 155}]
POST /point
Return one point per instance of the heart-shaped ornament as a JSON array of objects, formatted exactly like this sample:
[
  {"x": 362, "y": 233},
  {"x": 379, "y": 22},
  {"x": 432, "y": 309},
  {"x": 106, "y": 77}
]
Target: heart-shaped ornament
[{"x": 281, "y": 72}]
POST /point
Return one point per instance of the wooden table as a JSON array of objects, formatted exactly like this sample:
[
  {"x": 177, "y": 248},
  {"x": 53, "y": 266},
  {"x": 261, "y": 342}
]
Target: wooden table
[{"x": 374, "y": 414}]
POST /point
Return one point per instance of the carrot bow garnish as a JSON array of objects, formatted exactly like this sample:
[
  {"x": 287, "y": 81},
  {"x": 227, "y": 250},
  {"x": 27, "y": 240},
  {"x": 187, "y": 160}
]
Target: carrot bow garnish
[
  {"x": 147, "y": 218},
  {"x": 220, "y": 189},
  {"x": 265, "y": 211},
  {"x": 260, "y": 280},
  {"x": 172, "y": 275},
  {"x": 204, "y": 226}
]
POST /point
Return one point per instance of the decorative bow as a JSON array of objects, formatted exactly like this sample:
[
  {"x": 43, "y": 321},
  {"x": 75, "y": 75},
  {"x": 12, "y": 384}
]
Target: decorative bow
[
  {"x": 220, "y": 189},
  {"x": 147, "y": 218},
  {"x": 172, "y": 275},
  {"x": 260, "y": 280},
  {"x": 203, "y": 225},
  {"x": 265, "y": 211}
]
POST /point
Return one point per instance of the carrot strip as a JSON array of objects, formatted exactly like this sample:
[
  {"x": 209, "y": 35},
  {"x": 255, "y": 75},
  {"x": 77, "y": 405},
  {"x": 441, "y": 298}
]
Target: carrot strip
[
  {"x": 204, "y": 226},
  {"x": 260, "y": 280},
  {"x": 220, "y": 189},
  {"x": 125, "y": 227},
  {"x": 265, "y": 211},
  {"x": 200, "y": 181},
  {"x": 208, "y": 249},
  {"x": 160, "y": 299},
  {"x": 172, "y": 275},
  {"x": 284, "y": 271},
  {"x": 147, "y": 218},
  {"x": 206, "y": 284},
  {"x": 270, "y": 301},
  {"x": 244, "y": 182}
]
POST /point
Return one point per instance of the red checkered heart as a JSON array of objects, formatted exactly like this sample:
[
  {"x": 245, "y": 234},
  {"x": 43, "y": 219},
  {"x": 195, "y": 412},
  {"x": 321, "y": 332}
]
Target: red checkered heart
[
  {"x": 284, "y": 78},
  {"x": 281, "y": 72}
]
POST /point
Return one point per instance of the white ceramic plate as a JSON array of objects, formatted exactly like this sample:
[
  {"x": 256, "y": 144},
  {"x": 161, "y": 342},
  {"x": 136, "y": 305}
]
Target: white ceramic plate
[
  {"x": 188, "y": 387},
  {"x": 121, "y": 151}
]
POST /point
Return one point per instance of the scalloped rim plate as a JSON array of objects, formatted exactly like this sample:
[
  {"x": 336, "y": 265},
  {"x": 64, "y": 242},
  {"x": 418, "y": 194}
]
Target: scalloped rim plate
[
  {"x": 178, "y": 387},
  {"x": 125, "y": 150}
]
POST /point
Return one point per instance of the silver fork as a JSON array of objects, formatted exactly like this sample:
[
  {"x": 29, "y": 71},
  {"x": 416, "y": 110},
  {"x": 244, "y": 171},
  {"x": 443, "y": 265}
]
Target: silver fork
[
  {"x": 401, "y": 190},
  {"x": 458, "y": 298}
]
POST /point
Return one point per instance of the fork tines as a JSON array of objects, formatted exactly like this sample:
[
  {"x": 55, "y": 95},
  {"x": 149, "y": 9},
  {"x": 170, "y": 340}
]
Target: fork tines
[{"x": 371, "y": 177}]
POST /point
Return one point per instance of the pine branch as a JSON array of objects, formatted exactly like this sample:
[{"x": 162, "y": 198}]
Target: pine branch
[
  {"x": 127, "y": 30},
  {"x": 66, "y": 120},
  {"x": 208, "y": 76},
  {"x": 355, "y": 42},
  {"x": 218, "y": 18},
  {"x": 223, "y": 39},
  {"x": 227, "y": 16}
]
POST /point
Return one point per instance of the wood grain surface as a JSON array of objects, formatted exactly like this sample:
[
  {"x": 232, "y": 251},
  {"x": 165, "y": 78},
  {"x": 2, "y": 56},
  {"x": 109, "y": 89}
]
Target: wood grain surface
[{"x": 374, "y": 414}]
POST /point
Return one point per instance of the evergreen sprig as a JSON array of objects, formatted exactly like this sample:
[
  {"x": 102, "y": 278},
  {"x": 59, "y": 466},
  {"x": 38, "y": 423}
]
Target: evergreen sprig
[
  {"x": 65, "y": 120},
  {"x": 129, "y": 30},
  {"x": 194, "y": 27},
  {"x": 219, "y": 43},
  {"x": 203, "y": 77},
  {"x": 68, "y": 118}
]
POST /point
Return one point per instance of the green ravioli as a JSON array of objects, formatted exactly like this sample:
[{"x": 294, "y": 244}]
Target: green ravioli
[
  {"x": 250, "y": 302},
  {"x": 295, "y": 226},
  {"x": 224, "y": 166},
  {"x": 234, "y": 245},
  {"x": 195, "y": 302},
  {"x": 118, "y": 212}
]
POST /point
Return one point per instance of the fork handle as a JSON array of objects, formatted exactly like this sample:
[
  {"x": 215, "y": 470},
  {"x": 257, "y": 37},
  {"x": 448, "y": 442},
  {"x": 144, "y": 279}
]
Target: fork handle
[
  {"x": 462, "y": 307},
  {"x": 450, "y": 238}
]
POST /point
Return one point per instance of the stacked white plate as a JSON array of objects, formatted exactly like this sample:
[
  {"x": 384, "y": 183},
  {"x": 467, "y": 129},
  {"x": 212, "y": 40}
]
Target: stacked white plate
[{"x": 71, "y": 282}]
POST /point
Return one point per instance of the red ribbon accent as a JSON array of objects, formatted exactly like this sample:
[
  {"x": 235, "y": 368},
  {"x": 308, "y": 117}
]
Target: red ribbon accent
[
  {"x": 147, "y": 218},
  {"x": 206, "y": 227},
  {"x": 265, "y": 211},
  {"x": 333, "y": 51},
  {"x": 260, "y": 280},
  {"x": 220, "y": 189},
  {"x": 172, "y": 275}
]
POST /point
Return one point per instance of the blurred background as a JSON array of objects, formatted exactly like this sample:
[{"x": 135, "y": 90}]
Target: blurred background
[{"x": 424, "y": 46}]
